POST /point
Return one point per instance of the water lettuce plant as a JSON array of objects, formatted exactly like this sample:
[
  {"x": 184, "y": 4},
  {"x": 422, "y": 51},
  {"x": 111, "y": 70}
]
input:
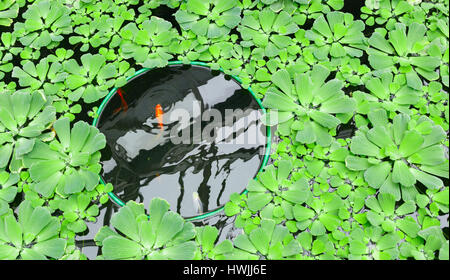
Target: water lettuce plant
[
  {"x": 395, "y": 155},
  {"x": 160, "y": 234},
  {"x": 45, "y": 23},
  {"x": 33, "y": 235},
  {"x": 337, "y": 35},
  {"x": 269, "y": 239},
  {"x": 405, "y": 47},
  {"x": 310, "y": 106},
  {"x": 209, "y": 247},
  {"x": 148, "y": 44},
  {"x": 70, "y": 163},
  {"x": 211, "y": 18},
  {"x": 25, "y": 118},
  {"x": 267, "y": 30}
]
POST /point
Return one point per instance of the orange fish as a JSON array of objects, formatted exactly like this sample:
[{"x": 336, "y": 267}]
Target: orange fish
[
  {"x": 124, "y": 104},
  {"x": 159, "y": 115}
]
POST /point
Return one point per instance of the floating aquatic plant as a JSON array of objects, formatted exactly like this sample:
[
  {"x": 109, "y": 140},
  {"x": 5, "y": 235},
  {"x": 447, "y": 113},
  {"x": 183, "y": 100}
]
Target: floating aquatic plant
[
  {"x": 310, "y": 105},
  {"x": 405, "y": 47},
  {"x": 33, "y": 235},
  {"x": 337, "y": 35},
  {"x": 45, "y": 23},
  {"x": 70, "y": 163},
  {"x": 161, "y": 235},
  {"x": 25, "y": 119},
  {"x": 210, "y": 18},
  {"x": 394, "y": 156}
]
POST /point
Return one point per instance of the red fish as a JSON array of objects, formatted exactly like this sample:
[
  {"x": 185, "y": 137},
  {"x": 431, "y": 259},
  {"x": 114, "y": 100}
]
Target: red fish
[
  {"x": 124, "y": 104},
  {"x": 159, "y": 115}
]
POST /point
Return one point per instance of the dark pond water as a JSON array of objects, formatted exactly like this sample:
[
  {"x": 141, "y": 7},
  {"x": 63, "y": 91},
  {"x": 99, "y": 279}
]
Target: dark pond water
[{"x": 184, "y": 134}]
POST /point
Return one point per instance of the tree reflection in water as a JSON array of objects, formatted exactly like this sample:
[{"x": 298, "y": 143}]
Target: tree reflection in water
[{"x": 143, "y": 161}]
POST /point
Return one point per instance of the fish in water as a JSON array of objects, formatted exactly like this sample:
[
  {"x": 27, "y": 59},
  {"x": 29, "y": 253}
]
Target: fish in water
[
  {"x": 159, "y": 116},
  {"x": 124, "y": 104},
  {"x": 198, "y": 206}
]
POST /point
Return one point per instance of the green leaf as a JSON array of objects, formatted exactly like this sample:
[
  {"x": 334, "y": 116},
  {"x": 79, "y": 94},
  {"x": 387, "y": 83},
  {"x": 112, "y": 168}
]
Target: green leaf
[
  {"x": 53, "y": 248},
  {"x": 330, "y": 221},
  {"x": 183, "y": 251},
  {"x": 117, "y": 248},
  {"x": 409, "y": 226},
  {"x": 256, "y": 201},
  {"x": 430, "y": 181},
  {"x": 277, "y": 100},
  {"x": 325, "y": 119},
  {"x": 411, "y": 143},
  {"x": 283, "y": 81},
  {"x": 62, "y": 129},
  {"x": 302, "y": 213},
  {"x": 125, "y": 221},
  {"x": 44, "y": 169},
  {"x": 442, "y": 197},
  {"x": 171, "y": 224},
  {"x": 376, "y": 175},
  {"x": 402, "y": 174},
  {"x": 207, "y": 237},
  {"x": 433, "y": 155},
  {"x": 260, "y": 239},
  {"x": 360, "y": 145}
]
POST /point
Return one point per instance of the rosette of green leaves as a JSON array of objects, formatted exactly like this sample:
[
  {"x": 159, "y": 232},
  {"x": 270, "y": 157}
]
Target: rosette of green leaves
[
  {"x": 268, "y": 241},
  {"x": 395, "y": 92},
  {"x": 258, "y": 73},
  {"x": 92, "y": 80},
  {"x": 209, "y": 248},
  {"x": 9, "y": 10},
  {"x": 77, "y": 209},
  {"x": 384, "y": 12},
  {"x": 95, "y": 32},
  {"x": 321, "y": 215},
  {"x": 209, "y": 18},
  {"x": 267, "y": 30},
  {"x": 96, "y": 27},
  {"x": 384, "y": 213},
  {"x": 393, "y": 223},
  {"x": 435, "y": 17},
  {"x": 162, "y": 234},
  {"x": 273, "y": 185},
  {"x": 45, "y": 23},
  {"x": 313, "y": 8},
  {"x": 433, "y": 104},
  {"x": 32, "y": 236},
  {"x": 406, "y": 47},
  {"x": 395, "y": 155},
  {"x": 309, "y": 106},
  {"x": 337, "y": 35},
  {"x": 352, "y": 71},
  {"x": 24, "y": 118},
  {"x": 145, "y": 9},
  {"x": 8, "y": 189},
  {"x": 46, "y": 73},
  {"x": 70, "y": 163},
  {"x": 148, "y": 43}
]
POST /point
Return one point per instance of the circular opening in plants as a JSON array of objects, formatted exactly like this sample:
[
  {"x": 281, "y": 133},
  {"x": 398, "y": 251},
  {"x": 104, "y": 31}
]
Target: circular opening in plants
[{"x": 184, "y": 133}]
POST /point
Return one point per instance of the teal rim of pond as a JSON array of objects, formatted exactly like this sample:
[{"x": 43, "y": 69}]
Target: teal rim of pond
[{"x": 265, "y": 159}]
